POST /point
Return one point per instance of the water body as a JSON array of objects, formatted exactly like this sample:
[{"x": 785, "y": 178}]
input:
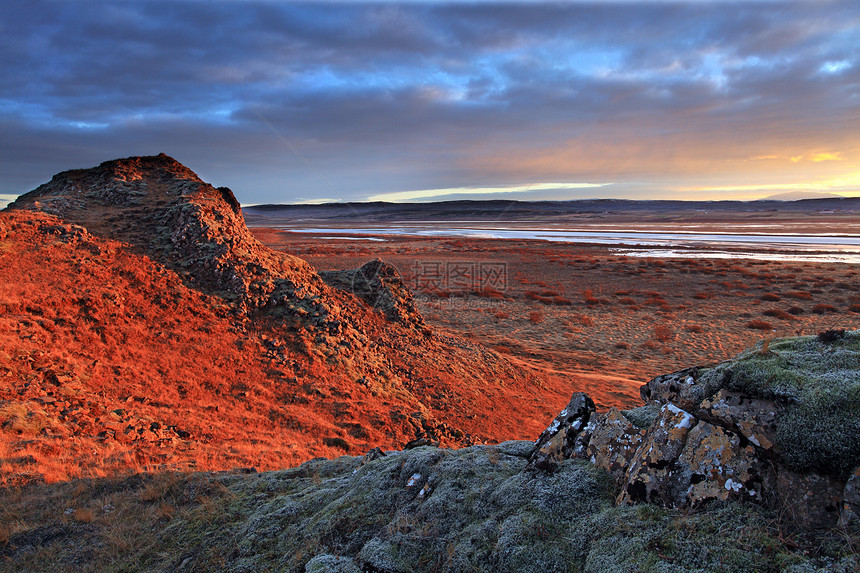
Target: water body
[{"x": 823, "y": 247}]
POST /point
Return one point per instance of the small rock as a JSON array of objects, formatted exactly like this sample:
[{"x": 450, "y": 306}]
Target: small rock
[
  {"x": 148, "y": 436},
  {"x": 679, "y": 388},
  {"x": 558, "y": 441},
  {"x": 810, "y": 500},
  {"x": 851, "y": 500},
  {"x": 115, "y": 426},
  {"x": 373, "y": 454},
  {"x": 421, "y": 441}
]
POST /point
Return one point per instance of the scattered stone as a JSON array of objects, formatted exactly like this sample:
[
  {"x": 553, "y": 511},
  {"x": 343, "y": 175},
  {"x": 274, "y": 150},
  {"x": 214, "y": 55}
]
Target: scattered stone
[
  {"x": 679, "y": 388},
  {"x": 373, "y": 454},
  {"x": 115, "y": 426},
  {"x": 811, "y": 500},
  {"x": 851, "y": 501},
  {"x": 558, "y": 441},
  {"x": 419, "y": 442}
]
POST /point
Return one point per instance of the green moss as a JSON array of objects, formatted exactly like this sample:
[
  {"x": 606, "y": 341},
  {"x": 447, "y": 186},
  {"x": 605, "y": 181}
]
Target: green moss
[
  {"x": 817, "y": 385},
  {"x": 724, "y": 538},
  {"x": 643, "y": 416}
]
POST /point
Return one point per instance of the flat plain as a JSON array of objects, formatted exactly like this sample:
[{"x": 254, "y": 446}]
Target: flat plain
[{"x": 601, "y": 321}]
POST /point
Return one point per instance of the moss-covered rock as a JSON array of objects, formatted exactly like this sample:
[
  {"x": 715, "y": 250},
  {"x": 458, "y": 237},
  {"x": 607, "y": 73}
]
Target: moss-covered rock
[
  {"x": 813, "y": 382},
  {"x": 816, "y": 384}
]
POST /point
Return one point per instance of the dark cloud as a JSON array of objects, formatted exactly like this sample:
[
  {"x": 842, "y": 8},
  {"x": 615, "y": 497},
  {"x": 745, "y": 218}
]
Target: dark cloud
[{"x": 388, "y": 97}]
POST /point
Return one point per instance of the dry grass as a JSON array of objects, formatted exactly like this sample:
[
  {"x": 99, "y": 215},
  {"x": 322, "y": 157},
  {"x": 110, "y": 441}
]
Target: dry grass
[
  {"x": 780, "y": 314},
  {"x": 759, "y": 325},
  {"x": 582, "y": 319},
  {"x": 664, "y": 332},
  {"x": 489, "y": 292},
  {"x": 84, "y": 515},
  {"x": 590, "y": 299},
  {"x": 108, "y": 521}
]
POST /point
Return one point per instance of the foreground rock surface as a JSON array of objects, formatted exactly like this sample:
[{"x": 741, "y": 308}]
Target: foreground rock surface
[
  {"x": 778, "y": 427},
  {"x": 482, "y": 508}
]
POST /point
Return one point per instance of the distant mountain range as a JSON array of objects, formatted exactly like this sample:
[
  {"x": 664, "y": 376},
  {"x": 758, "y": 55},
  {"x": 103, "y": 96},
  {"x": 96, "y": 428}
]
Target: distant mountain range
[{"x": 536, "y": 210}]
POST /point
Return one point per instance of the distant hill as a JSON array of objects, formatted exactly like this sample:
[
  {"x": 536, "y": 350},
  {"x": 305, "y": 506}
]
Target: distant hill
[
  {"x": 798, "y": 195},
  {"x": 533, "y": 210}
]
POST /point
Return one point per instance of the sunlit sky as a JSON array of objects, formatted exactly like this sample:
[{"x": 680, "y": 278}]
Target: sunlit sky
[{"x": 311, "y": 102}]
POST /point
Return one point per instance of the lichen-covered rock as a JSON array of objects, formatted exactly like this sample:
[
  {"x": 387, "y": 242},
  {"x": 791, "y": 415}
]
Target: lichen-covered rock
[
  {"x": 811, "y": 500},
  {"x": 851, "y": 501},
  {"x": 714, "y": 465},
  {"x": 614, "y": 441},
  {"x": 558, "y": 441},
  {"x": 755, "y": 419},
  {"x": 681, "y": 388},
  {"x": 649, "y": 476}
]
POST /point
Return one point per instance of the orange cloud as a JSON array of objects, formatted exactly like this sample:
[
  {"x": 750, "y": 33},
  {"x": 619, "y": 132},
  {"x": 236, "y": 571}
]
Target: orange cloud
[
  {"x": 826, "y": 157},
  {"x": 849, "y": 183}
]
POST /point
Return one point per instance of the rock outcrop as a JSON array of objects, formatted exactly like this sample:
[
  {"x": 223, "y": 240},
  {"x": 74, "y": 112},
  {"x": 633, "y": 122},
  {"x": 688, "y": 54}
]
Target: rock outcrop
[
  {"x": 160, "y": 206},
  {"x": 558, "y": 441},
  {"x": 780, "y": 428},
  {"x": 165, "y": 210},
  {"x": 350, "y": 345},
  {"x": 380, "y": 286}
]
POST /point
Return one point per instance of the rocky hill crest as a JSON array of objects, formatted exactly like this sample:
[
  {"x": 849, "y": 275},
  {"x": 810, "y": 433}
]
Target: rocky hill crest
[
  {"x": 138, "y": 309},
  {"x": 160, "y": 206}
]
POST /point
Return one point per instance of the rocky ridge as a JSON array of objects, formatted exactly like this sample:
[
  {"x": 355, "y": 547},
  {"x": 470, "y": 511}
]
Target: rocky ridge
[
  {"x": 165, "y": 210},
  {"x": 144, "y": 324},
  {"x": 160, "y": 206}
]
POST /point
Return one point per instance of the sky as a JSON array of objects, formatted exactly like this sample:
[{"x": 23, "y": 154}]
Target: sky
[{"x": 289, "y": 102}]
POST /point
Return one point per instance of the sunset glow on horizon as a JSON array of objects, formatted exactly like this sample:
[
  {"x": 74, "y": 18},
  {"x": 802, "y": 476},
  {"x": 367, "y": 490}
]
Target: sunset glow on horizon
[{"x": 290, "y": 102}]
